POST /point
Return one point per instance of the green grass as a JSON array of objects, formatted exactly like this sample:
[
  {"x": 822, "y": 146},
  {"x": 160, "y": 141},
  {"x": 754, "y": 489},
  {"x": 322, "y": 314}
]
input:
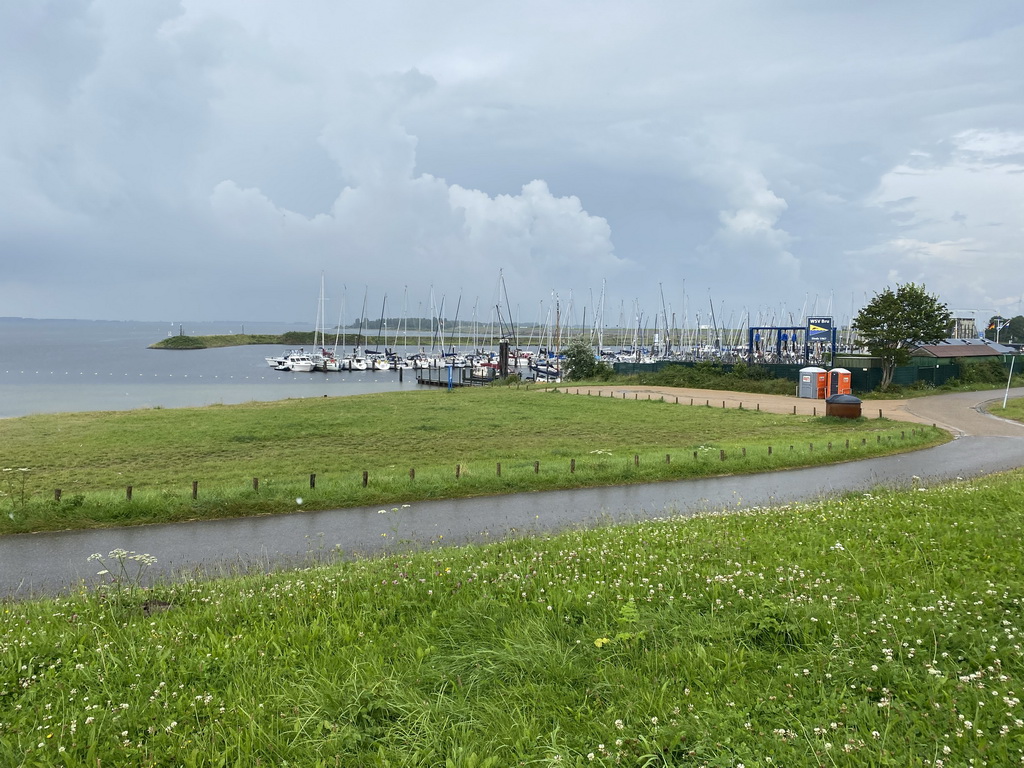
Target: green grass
[
  {"x": 1014, "y": 409},
  {"x": 454, "y": 442},
  {"x": 873, "y": 630}
]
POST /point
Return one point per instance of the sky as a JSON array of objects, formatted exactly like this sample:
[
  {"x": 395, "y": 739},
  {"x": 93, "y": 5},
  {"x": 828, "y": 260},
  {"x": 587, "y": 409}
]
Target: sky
[{"x": 213, "y": 159}]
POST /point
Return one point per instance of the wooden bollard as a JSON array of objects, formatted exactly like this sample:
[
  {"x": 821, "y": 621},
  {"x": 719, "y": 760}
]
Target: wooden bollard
[
  {"x": 723, "y": 404},
  {"x": 458, "y": 471},
  {"x": 572, "y": 466},
  {"x": 814, "y": 411},
  {"x": 847, "y": 443},
  {"x": 412, "y": 473},
  {"x": 879, "y": 413},
  {"x": 677, "y": 399},
  {"x": 128, "y": 493},
  {"x": 536, "y": 467},
  {"x": 312, "y": 476},
  {"x": 636, "y": 395},
  {"x": 759, "y": 406},
  {"x": 366, "y": 478},
  {"x": 769, "y": 450},
  {"x": 744, "y": 452},
  {"x": 695, "y": 454},
  {"x": 863, "y": 441},
  {"x": 623, "y": 395},
  {"x": 668, "y": 458},
  {"x": 636, "y": 459},
  {"x": 707, "y": 403},
  {"x": 195, "y": 490},
  {"x": 721, "y": 455},
  {"x": 56, "y": 494},
  {"x": 741, "y": 406},
  {"x": 648, "y": 397},
  {"x": 691, "y": 401},
  {"x": 256, "y": 484},
  {"x": 830, "y": 445},
  {"x": 499, "y": 469},
  {"x": 811, "y": 447},
  {"x": 794, "y": 410},
  {"x": 902, "y": 434}
]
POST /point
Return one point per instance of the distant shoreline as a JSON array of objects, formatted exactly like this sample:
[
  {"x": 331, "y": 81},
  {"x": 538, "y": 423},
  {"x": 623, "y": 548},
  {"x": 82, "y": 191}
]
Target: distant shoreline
[{"x": 290, "y": 339}]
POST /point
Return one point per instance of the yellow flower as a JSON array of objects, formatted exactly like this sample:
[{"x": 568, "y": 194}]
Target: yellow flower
[{"x": 602, "y": 641}]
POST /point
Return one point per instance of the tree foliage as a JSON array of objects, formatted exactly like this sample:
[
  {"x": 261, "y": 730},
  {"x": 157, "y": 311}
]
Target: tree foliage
[
  {"x": 1007, "y": 330},
  {"x": 895, "y": 321},
  {"x": 580, "y": 362}
]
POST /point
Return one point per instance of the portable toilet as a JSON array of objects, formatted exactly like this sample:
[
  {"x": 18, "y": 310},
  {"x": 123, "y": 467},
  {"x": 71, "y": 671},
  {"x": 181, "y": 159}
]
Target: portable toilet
[
  {"x": 839, "y": 382},
  {"x": 813, "y": 383}
]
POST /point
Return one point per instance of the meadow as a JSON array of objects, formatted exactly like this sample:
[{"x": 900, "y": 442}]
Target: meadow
[
  {"x": 1014, "y": 410},
  {"x": 82, "y": 470},
  {"x": 877, "y": 629}
]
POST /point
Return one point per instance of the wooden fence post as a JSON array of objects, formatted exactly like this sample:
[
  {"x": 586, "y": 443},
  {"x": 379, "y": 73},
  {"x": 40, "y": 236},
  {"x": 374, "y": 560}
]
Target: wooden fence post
[
  {"x": 636, "y": 459},
  {"x": 458, "y": 471},
  {"x": 536, "y": 467},
  {"x": 256, "y": 484},
  {"x": 366, "y": 477},
  {"x": 668, "y": 458},
  {"x": 195, "y": 490},
  {"x": 412, "y": 473},
  {"x": 572, "y": 466},
  {"x": 56, "y": 494},
  {"x": 721, "y": 455},
  {"x": 128, "y": 493},
  {"x": 312, "y": 480},
  {"x": 769, "y": 450}
]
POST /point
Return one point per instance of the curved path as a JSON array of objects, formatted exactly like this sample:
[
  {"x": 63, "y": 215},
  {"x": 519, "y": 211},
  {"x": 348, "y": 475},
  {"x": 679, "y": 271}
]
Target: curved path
[{"x": 47, "y": 563}]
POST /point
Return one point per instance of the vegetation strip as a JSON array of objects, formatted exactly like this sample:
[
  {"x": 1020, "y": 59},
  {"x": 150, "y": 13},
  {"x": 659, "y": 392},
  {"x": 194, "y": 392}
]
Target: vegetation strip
[
  {"x": 876, "y": 629},
  {"x": 160, "y": 465}
]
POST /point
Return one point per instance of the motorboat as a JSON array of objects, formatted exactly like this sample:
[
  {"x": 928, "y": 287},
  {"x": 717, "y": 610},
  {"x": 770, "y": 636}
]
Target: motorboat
[{"x": 297, "y": 362}]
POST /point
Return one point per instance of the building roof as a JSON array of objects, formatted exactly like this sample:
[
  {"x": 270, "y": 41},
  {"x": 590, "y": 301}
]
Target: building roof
[{"x": 963, "y": 348}]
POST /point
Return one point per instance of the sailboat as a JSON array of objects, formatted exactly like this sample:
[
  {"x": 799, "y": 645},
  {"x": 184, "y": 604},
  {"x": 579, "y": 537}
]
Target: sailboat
[{"x": 323, "y": 359}]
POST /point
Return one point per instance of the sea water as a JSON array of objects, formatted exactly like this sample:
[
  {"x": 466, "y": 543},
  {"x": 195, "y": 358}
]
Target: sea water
[{"x": 55, "y": 366}]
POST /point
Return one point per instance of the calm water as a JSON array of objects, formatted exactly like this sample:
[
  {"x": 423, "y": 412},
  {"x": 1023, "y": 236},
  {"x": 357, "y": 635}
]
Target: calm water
[{"x": 52, "y": 366}]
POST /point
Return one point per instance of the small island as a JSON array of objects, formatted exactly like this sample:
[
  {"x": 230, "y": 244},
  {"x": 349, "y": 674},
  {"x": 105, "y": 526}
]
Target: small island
[{"x": 289, "y": 339}]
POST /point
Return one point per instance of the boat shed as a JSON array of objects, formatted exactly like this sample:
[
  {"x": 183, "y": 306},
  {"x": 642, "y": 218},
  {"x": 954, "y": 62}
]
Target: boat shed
[{"x": 978, "y": 350}]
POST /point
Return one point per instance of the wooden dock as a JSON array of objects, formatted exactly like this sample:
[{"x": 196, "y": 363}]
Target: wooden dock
[{"x": 451, "y": 376}]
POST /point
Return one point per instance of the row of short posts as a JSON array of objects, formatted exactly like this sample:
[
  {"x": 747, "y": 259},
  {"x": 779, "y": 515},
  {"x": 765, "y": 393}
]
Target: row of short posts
[{"x": 722, "y": 455}]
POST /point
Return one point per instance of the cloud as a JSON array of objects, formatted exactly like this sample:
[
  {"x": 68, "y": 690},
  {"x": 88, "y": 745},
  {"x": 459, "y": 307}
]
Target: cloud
[
  {"x": 958, "y": 213},
  {"x": 160, "y": 151}
]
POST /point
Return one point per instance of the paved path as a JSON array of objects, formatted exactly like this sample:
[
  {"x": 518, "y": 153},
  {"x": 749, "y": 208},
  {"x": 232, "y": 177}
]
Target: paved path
[
  {"x": 32, "y": 564},
  {"x": 962, "y": 413}
]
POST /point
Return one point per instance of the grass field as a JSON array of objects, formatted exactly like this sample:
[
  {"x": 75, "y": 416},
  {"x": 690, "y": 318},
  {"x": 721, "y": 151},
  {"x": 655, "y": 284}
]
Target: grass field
[
  {"x": 1014, "y": 410},
  {"x": 873, "y": 630},
  {"x": 259, "y": 457}
]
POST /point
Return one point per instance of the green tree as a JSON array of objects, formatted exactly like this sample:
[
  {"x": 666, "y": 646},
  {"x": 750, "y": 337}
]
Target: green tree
[
  {"x": 1005, "y": 329},
  {"x": 580, "y": 362},
  {"x": 894, "y": 322}
]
